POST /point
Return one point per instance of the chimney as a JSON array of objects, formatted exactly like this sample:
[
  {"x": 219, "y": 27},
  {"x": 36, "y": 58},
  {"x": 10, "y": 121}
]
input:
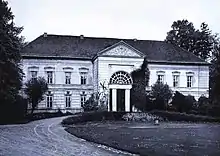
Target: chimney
[
  {"x": 81, "y": 37},
  {"x": 45, "y": 34}
]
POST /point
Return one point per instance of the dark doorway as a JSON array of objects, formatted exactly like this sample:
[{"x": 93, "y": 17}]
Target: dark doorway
[
  {"x": 110, "y": 100},
  {"x": 120, "y": 100}
]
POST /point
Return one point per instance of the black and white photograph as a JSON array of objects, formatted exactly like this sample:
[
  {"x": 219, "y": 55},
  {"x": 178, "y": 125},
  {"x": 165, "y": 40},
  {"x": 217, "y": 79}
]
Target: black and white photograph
[{"x": 109, "y": 78}]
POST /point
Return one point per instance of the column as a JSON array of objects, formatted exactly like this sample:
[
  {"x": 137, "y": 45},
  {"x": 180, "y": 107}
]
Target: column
[
  {"x": 127, "y": 100},
  {"x": 114, "y": 100}
]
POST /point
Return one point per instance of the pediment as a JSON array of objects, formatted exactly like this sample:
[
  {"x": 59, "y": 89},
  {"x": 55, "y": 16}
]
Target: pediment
[{"x": 121, "y": 49}]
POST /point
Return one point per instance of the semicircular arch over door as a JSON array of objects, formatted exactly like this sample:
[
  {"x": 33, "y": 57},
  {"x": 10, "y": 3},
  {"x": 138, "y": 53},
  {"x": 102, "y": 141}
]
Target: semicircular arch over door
[{"x": 120, "y": 84}]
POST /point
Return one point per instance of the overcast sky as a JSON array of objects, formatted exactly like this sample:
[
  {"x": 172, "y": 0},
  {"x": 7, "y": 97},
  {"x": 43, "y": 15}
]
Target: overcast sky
[{"x": 141, "y": 19}]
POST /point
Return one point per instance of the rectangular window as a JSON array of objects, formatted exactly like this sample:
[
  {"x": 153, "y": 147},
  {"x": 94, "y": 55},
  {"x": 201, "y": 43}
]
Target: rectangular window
[
  {"x": 33, "y": 74},
  {"x": 175, "y": 80},
  {"x": 68, "y": 101},
  {"x": 68, "y": 77},
  {"x": 160, "y": 78},
  {"x": 49, "y": 100},
  {"x": 83, "y": 78},
  {"x": 49, "y": 77},
  {"x": 189, "y": 81},
  {"x": 83, "y": 98}
]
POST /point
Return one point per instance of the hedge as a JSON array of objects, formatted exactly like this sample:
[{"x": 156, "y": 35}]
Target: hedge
[
  {"x": 93, "y": 116},
  {"x": 176, "y": 116}
]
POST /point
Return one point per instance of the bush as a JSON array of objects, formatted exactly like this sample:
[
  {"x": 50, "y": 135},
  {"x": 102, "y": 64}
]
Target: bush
[
  {"x": 93, "y": 116},
  {"x": 203, "y": 105},
  {"x": 13, "y": 112},
  {"x": 162, "y": 94},
  {"x": 91, "y": 104},
  {"x": 176, "y": 116},
  {"x": 183, "y": 103},
  {"x": 141, "y": 117}
]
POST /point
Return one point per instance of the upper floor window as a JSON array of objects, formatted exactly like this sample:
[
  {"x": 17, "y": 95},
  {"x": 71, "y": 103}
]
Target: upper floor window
[
  {"x": 68, "y": 99},
  {"x": 33, "y": 74},
  {"x": 83, "y": 78},
  {"x": 33, "y": 71},
  {"x": 83, "y": 98},
  {"x": 49, "y": 99},
  {"x": 176, "y": 78},
  {"x": 68, "y": 71},
  {"x": 160, "y": 76},
  {"x": 67, "y": 77},
  {"x": 49, "y": 77},
  {"x": 189, "y": 81},
  {"x": 83, "y": 75},
  {"x": 50, "y": 71},
  {"x": 189, "y": 76}
]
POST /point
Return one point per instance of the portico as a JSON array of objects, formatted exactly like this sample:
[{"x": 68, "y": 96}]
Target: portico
[{"x": 119, "y": 92}]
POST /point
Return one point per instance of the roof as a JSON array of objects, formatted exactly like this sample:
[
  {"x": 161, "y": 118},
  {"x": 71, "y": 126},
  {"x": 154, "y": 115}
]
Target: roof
[{"x": 63, "y": 46}]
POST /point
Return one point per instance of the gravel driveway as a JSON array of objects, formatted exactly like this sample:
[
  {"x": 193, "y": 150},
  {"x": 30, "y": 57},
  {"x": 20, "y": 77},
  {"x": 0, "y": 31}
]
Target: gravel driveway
[{"x": 46, "y": 138}]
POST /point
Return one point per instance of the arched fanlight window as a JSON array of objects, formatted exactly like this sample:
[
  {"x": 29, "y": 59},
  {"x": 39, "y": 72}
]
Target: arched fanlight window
[{"x": 121, "y": 78}]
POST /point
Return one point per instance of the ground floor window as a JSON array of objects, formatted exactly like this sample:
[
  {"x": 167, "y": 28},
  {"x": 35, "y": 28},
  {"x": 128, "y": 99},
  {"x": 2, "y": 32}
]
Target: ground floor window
[
  {"x": 49, "y": 100},
  {"x": 83, "y": 98},
  {"x": 68, "y": 99}
]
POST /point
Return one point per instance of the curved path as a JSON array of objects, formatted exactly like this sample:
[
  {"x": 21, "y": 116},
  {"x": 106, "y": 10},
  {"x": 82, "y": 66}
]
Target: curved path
[{"x": 46, "y": 138}]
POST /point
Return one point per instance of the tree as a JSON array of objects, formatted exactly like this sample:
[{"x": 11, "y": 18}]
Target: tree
[
  {"x": 198, "y": 41},
  {"x": 140, "y": 79},
  {"x": 35, "y": 89},
  {"x": 162, "y": 94},
  {"x": 10, "y": 45}
]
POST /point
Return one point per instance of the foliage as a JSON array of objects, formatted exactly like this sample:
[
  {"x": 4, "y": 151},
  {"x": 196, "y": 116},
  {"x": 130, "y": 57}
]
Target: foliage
[
  {"x": 92, "y": 103},
  {"x": 203, "y": 105},
  {"x": 198, "y": 41},
  {"x": 10, "y": 45},
  {"x": 35, "y": 89},
  {"x": 93, "y": 116},
  {"x": 13, "y": 112},
  {"x": 141, "y": 117},
  {"x": 140, "y": 79},
  {"x": 215, "y": 76},
  {"x": 176, "y": 116},
  {"x": 183, "y": 103},
  {"x": 162, "y": 94}
]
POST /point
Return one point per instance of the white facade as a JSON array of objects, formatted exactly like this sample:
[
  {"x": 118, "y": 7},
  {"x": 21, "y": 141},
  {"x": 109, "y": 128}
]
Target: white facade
[{"x": 120, "y": 57}]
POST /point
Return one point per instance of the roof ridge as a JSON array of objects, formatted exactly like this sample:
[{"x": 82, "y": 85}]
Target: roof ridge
[{"x": 98, "y": 37}]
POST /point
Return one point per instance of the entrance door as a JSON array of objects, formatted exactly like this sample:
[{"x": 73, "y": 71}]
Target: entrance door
[{"x": 120, "y": 99}]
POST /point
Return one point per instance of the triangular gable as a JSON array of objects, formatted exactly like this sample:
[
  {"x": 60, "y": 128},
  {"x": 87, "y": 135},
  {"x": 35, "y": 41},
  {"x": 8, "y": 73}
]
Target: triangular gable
[{"x": 121, "y": 49}]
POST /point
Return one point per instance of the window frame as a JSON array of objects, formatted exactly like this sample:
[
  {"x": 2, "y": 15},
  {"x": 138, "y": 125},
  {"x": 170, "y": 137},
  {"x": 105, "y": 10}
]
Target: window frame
[
  {"x": 83, "y": 98},
  {"x": 68, "y": 99},
  {"x": 49, "y": 100},
  {"x": 189, "y": 81},
  {"x": 49, "y": 78},
  {"x": 68, "y": 78},
  {"x": 83, "y": 78},
  {"x": 162, "y": 75}
]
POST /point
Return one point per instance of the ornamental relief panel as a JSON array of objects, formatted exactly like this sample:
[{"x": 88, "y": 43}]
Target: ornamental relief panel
[{"x": 121, "y": 51}]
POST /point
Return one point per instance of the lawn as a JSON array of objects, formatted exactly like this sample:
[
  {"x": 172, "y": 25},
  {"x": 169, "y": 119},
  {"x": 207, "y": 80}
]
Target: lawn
[{"x": 147, "y": 139}]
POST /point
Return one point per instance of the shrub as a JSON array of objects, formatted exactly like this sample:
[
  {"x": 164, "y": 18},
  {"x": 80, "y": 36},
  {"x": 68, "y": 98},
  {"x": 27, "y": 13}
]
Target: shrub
[
  {"x": 91, "y": 104},
  {"x": 93, "y": 116},
  {"x": 203, "y": 105},
  {"x": 162, "y": 94},
  {"x": 141, "y": 117},
  {"x": 176, "y": 116},
  {"x": 140, "y": 79},
  {"x": 183, "y": 103}
]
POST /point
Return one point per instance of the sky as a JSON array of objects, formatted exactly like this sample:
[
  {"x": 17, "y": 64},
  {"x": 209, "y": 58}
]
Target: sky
[{"x": 140, "y": 19}]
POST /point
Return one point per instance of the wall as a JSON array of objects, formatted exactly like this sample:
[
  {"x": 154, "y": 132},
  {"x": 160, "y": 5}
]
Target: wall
[
  {"x": 107, "y": 66},
  {"x": 200, "y": 83},
  {"x": 59, "y": 87}
]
